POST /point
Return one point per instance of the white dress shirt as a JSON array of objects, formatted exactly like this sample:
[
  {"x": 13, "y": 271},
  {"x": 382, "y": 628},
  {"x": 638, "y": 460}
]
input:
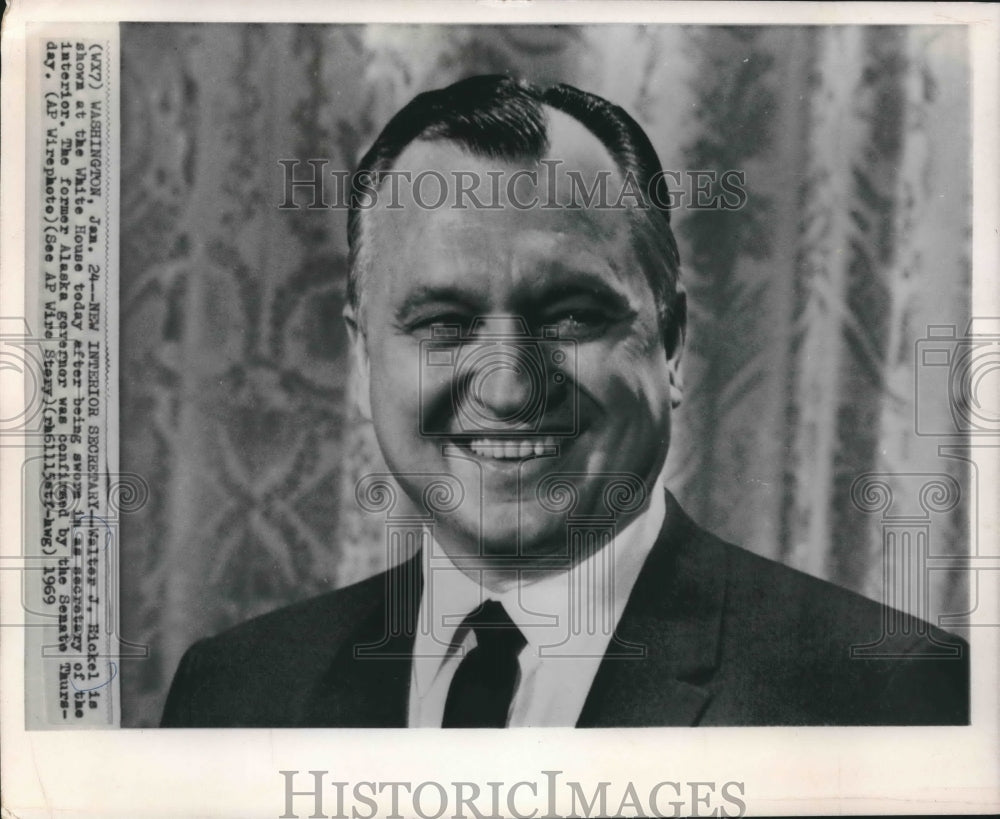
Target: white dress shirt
[{"x": 567, "y": 620}]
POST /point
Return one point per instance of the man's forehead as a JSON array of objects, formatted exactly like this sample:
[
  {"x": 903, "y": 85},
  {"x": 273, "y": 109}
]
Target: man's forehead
[
  {"x": 503, "y": 242},
  {"x": 572, "y": 149}
]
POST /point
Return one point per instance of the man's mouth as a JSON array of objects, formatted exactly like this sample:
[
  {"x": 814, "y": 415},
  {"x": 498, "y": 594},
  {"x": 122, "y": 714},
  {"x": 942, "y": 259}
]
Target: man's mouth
[{"x": 512, "y": 449}]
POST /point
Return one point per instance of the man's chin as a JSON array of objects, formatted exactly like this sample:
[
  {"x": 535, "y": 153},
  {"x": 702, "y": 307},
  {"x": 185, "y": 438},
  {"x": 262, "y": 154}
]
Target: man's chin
[{"x": 505, "y": 539}]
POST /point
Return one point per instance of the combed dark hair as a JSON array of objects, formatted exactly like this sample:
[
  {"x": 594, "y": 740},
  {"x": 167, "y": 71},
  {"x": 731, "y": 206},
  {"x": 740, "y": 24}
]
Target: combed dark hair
[{"x": 499, "y": 117}]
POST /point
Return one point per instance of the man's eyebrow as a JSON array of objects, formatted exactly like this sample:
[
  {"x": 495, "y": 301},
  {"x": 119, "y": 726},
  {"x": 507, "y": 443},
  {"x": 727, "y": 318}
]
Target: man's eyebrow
[
  {"x": 423, "y": 295},
  {"x": 566, "y": 282}
]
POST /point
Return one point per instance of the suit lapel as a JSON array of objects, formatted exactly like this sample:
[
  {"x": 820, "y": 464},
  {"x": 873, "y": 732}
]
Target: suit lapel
[
  {"x": 674, "y": 613},
  {"x": 368, "y": 682}
]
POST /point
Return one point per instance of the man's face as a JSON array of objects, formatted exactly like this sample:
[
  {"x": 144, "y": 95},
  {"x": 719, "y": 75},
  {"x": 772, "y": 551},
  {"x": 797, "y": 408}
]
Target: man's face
[{"x": 589, "y": 397}]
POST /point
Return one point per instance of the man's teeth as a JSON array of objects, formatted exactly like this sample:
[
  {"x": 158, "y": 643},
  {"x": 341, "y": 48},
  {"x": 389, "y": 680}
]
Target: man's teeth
[{"x": 507, "y": 448}]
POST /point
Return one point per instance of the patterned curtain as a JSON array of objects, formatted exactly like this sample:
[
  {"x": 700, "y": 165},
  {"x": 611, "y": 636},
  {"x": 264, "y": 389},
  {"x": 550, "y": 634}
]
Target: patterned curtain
[{"x": 807, "y": 305}]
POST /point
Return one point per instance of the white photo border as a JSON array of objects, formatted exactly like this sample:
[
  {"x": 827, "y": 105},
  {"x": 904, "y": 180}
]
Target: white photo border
[{"x": 784, "y": 771}]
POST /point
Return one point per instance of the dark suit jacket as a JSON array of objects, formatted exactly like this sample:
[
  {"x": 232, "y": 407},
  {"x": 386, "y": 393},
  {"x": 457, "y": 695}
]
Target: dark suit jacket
[{"x": 731, "y": 639}]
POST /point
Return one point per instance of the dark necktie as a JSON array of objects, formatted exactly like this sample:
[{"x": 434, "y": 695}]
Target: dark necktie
[{"x": 483, "y": 685}]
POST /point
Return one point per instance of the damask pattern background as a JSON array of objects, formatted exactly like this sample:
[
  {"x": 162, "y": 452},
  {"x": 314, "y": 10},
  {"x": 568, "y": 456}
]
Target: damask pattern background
[{"x": 806, "y": 304}]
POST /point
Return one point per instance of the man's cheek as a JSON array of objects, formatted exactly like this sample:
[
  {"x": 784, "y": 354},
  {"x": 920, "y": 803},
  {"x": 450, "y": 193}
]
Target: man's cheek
[
  {"x": 610, "y": 377},
  {"x": 642, "y": 374},
  {"x": 396, "y": 373}
]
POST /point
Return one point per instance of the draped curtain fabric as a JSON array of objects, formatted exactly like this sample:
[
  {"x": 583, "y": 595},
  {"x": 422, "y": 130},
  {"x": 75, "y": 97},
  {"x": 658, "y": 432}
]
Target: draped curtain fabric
[{"x": 807, "y": 304}]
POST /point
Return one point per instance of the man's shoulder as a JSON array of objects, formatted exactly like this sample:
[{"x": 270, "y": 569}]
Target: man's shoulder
[
  {"x": 786, "y": 592},
  {"x": 753, "y": 586},
  {"x": 800, "y": 649},
  {"x": 768, "y": 644},
  {"x": 772, "y": 596},
  {"x": 262, "y": 671},
  {"x": 324, "y": 616}
]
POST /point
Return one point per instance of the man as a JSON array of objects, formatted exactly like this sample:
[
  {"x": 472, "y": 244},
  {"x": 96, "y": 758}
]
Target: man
[{"x": 518, "y": 335}]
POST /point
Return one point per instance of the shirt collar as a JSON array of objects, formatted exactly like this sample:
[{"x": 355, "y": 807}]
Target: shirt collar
[{"x": 539, "y": 606}]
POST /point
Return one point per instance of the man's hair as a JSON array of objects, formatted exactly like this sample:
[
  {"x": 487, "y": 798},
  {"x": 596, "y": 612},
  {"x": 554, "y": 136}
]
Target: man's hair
[{"x": 498, "y": 117}]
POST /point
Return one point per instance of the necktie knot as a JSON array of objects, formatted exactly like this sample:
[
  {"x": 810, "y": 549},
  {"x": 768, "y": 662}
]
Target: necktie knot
[{"x": 495, "y": 632}]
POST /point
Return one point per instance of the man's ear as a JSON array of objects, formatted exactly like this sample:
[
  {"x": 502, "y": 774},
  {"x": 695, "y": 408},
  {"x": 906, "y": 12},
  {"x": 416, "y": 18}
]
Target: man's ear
[
  {"x": 360, "y": 362},
  {"x": 675, "y": 333}
]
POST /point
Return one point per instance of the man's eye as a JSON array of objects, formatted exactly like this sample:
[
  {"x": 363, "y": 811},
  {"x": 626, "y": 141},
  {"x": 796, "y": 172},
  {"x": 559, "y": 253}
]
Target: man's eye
[
  {"x": 442, "y": 325},
  {"x": 580, "y": 323}
]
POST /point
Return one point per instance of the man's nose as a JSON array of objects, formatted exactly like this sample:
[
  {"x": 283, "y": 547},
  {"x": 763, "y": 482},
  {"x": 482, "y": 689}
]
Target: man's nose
[
  {"x": 505, "y": 379},
  {"x": 504, "y": 384}
]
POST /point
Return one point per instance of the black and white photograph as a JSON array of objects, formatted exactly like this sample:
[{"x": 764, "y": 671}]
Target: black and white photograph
[
  {"x": 510, "y": 373},
  {"x": 470, "y": 301}
]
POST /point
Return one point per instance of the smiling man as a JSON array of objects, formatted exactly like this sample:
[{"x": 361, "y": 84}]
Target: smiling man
[
  {"x": 517, "y": 327},
  {"x": 516, "y": 286}
]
